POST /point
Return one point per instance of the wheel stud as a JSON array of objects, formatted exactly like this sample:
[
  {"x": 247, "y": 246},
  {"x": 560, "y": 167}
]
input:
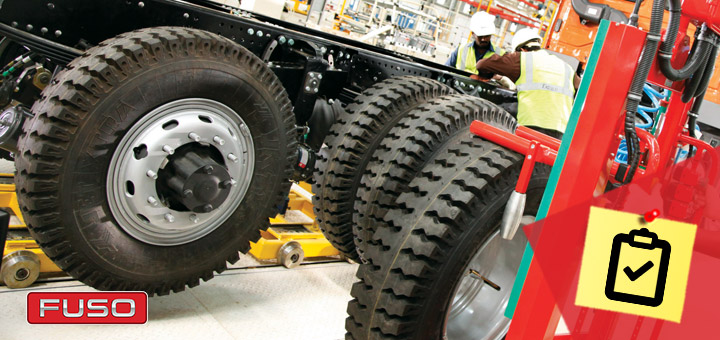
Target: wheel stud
[
  {"x": 194, "y": 136},
  {"x": 207, "y": 208},
  {"x": 218, "y": 140},
  {"x": 168, "y": 149},
  {"x": 152, "y": 174},
  {"x": 153, "y": 201},
  {"x": 232, "y": 157},
  {"x": 194, "y": 218},
  {"x": 169, "y": 218}
]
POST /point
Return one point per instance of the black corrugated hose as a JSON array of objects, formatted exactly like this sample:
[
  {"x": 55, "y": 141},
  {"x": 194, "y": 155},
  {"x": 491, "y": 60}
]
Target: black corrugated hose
[
  {"x": 635, "y": 94},
  {"x": 699, "y": 91},
  {"x": 698, "y": 83},
  {"x": 696, "y": 59}
]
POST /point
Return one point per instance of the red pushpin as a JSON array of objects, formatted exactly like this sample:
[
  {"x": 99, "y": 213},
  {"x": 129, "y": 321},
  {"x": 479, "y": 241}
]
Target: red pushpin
[{"x": 651, "y": 215}]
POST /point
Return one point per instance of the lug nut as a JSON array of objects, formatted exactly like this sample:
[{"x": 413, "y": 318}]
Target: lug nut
[
  {"x": 187, "y": 193},
  {"x": 251, "y": 31},
  {"x": 232, "y": 157},
  {"x": 152, "y": 174},
  {"x": 208, "y": 169},
  {"x": 168, "y": 149},
  {"x": 169, "y": 218},
  {"x": 153, "y": 201},
  {"x": 218, "y": 140},
  {"x": 207, "y": 208},
  {"x": 226, "y": 184},
  {"x": 194, "y": 136},
  {"x": 194, "y": 218}
]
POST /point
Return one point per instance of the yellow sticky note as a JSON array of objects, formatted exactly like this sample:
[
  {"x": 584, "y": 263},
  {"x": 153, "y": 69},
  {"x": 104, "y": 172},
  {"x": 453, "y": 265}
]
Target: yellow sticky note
[{"x": 634, "y": 267}]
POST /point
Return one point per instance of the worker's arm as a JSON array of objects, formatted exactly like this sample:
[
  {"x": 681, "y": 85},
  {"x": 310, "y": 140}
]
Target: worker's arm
[
  {"x": 576, "y": 82},
  {"x": 507, "y": 65},
  {"x": 453, "y": 59}
]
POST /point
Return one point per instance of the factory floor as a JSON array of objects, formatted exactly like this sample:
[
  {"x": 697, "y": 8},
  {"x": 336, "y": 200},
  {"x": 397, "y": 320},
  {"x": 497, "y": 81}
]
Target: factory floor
[{"x": 248, "y": 301}]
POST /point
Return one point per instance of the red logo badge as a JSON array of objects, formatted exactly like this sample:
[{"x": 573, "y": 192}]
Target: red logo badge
[{"x": 87, "y": 308}]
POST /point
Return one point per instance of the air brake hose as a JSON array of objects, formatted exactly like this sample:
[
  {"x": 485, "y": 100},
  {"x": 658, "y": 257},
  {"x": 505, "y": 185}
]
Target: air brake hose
[
  {"x": 709, "y": 68},
  {"x": 699, "y": 81},
  {"x": 635, "y": 94},
  {"x": 692, "y": 120},
  {"x": 665, "y": 55}
]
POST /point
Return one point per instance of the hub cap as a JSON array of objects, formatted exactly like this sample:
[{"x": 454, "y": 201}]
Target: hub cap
[
  {"x": 480, "y": 299},
  {"x": 180, "y": 172}
]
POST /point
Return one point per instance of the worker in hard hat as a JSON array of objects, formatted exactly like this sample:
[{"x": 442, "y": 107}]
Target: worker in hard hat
[
  {"x": 482, "y": 25},
  {"x": 545, "y": 83}
]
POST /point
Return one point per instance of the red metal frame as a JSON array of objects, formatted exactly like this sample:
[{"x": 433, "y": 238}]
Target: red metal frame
[{"x": 589, "y": 164}]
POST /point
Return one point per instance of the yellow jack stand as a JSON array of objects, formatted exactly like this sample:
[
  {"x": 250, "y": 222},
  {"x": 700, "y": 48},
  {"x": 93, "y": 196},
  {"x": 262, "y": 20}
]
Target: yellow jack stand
[
  {"x": 23, "y": 261},
  {"x": 294, "y": 235}
]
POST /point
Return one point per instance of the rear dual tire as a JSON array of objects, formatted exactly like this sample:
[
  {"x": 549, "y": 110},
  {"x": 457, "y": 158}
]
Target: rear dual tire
[{"x": 414, "y": 284}]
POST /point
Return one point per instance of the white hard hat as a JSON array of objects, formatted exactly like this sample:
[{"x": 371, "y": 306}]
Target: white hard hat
[
  {"x": 482, "y": 24},
  {"x": 523, "y": 36}
]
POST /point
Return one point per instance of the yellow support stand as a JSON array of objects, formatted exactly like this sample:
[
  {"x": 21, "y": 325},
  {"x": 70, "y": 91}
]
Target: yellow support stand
[
  {"x": 23, "y": 260},
  {"x": 294, "y": 235}
]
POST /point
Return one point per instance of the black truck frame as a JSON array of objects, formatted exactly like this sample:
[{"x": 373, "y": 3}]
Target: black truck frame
[{"x": 61, "y": 29}]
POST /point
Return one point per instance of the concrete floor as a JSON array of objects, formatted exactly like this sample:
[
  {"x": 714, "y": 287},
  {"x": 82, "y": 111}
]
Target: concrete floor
[{"x": 245, "y": 302}]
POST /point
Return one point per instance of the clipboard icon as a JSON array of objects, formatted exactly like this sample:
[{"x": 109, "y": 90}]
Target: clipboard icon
[{"x": 638, "y": 268}]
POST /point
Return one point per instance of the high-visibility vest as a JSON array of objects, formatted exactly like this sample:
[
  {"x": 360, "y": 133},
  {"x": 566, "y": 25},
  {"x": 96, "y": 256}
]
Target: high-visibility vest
[
  {"x": 545, "y": 91},
  {"x": 466, "y": 56}
]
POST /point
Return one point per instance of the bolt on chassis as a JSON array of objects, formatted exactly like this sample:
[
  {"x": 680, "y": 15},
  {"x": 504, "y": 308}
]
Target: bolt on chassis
[{"x": 153, "y": 139}]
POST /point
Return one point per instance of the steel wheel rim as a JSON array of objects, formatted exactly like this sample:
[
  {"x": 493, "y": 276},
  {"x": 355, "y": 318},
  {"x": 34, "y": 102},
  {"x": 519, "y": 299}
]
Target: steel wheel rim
[
  {"x": 206, "y": 119},
  {"x": 477, "y": 309}
]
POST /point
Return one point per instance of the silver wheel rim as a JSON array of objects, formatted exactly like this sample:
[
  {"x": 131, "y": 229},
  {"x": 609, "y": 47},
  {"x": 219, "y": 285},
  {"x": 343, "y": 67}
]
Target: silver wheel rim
[
  {"x": 477, "y": 310},
  {"x": 131, "y": 182}
]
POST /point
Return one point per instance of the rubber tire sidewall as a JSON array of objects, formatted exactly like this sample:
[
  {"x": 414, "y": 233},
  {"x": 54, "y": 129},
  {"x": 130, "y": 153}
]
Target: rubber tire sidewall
[
  {"x": 89, "y": 225},
  {"x": 482, "y": 228}
]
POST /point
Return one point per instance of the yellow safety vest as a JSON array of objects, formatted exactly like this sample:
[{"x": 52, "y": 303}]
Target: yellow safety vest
[
  {"x": 468, "y": 57},
  {"x": 545, "y": 91}
]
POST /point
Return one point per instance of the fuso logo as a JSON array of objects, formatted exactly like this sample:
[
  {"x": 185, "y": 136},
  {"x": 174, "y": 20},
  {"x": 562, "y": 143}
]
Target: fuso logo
[{"x": 88, "y": 308}]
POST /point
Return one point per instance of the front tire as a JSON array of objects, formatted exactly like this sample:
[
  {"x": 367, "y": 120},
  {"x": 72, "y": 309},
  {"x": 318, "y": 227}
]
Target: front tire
[{"x": 130, "y": 123}]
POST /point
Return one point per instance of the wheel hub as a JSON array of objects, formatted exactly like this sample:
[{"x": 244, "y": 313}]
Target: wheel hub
[
  {"x": 480, "y": 298},
  {"x": 180, "y": 172},
  {"x": 197, "y": 181}
]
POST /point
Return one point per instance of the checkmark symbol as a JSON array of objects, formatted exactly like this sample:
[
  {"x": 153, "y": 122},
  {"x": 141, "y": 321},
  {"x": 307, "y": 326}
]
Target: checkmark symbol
[{"x": 634, "y": 275}]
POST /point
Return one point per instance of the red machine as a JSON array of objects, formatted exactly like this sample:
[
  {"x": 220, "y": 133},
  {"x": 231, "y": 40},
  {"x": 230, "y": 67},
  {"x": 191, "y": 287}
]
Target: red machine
[{"x": 624, "y": 60}]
